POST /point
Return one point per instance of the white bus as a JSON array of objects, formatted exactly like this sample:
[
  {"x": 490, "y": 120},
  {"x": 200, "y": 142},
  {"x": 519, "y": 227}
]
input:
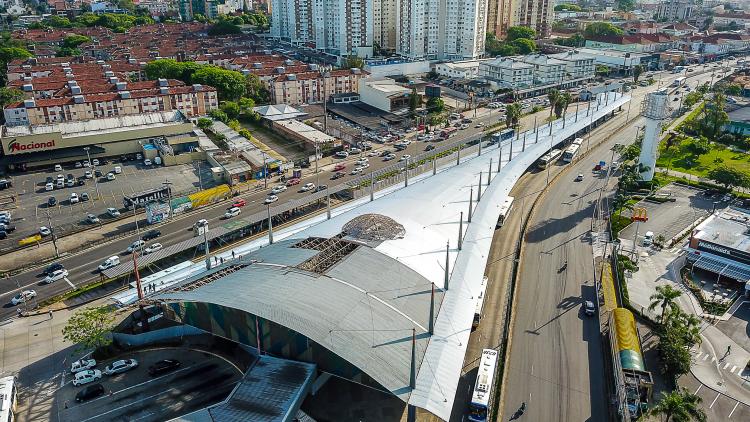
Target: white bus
[
  {"x": 577, "y": 141},
  {"x": 505, "y": 208},
  {"x": 480, "y": 303},
  {"x": 570, "y": 153},
  {"x": 549, "y": 158},
  {"x": 482, "y": 395},
  {"x": 679, "y": 81},
  {"x": 7, "y": 399}
]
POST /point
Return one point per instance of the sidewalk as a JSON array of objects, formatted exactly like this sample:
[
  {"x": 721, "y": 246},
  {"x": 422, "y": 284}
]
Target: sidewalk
[{"x": 713, "y": 364}]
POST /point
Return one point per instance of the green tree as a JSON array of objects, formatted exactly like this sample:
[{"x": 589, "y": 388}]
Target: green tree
[
  {"x": 164, "y": 68},
  {"x": 520, "y": 32},
  {"x": 230, "y": 85},
  {"x": 679, "y": 406},
  {"x": 553, "y": 96},
  {"x": 664, "y": 298},
  {"x": 58, "y": 22},
  {"x": 414, "y": 100},
  {"x": 435, "y": 105},
  {"x": 9, "y": 96},
  {"x": 714, "y": 115},
  {"x": 231, "y": 109},
  {"x": 729, "y": 176},
  {"x": 734, "y": 89},
  {"x": 691, "y": 99},
  {"x": 90, "y": 328},
  {"x": 219, "y": 115},
  {"x": 224, "y": 28},
  {"x": 625, "y": 5},
  {"x": 246, "y": 106},
  {"x": 524, "y": 45},
  {"x": 256, "y": 90},
  {"x": 513, "y": 114},
  {"x": 637, "y": 72},
  {"x": 73, "y": 41},
  {"x": 561, "y": 106},
  {"x": 67, "y": 52},
  {"x": 601, "y": 29},
  {"x": 205, "y": 123},
  {"x": 567, "y": 7},
  {"x": 352, "y": 62}
]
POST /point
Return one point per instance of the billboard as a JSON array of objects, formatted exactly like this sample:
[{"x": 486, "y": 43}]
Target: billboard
[
  {"x": 140, "y": 199},
  {"x": 156, "y": 212}
]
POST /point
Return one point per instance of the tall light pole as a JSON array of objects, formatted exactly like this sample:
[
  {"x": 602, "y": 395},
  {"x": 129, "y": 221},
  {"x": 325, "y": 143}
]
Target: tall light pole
[
  {"x": 200, "y": 178},
  {"x": 325, "y": 73},
  {"x": 54, "y": 236},
  {"x": 317, "y": 158},
  {"x": 96, "y": 179},
  {"x": 168, "y": 184}
]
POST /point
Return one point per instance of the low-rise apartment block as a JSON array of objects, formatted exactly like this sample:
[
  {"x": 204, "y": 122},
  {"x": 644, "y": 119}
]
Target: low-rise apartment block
[{"x": 313, "y": 87}]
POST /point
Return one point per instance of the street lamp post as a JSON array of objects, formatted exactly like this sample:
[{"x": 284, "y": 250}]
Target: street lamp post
[
  {"x": 96, "y": 181},
  {"x": 168, "y": 184},
  {"x": 54, "y": 236}
]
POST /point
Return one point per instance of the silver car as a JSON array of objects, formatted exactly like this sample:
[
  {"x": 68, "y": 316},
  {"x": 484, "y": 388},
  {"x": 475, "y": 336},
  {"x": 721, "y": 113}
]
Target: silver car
[{"x": 120, "y": 366}]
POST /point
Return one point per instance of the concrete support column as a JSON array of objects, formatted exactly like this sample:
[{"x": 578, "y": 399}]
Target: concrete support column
[
  {"x": 460, "y": 230},
  {"x": 328, "y": 207},
  {"x": 479, "y": 188},
  {"x": 270, "y": 225},
  {"x": 471, "y": 202}
]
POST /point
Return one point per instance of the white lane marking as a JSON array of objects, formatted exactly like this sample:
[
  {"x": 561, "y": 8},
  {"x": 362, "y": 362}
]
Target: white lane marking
[
  {"x": 705, "y": 357},
  {"x": 712, "y": 403},
  {"x": 733, "y": 409},
  {"x": 726, "y": 365},
  {"x": 713, "y": 359},
  {"x": 128, "y": 405},
  {"x": 733, "y": 368},
  {"x": 698, "y": 389},
  {"x": 71, "y": 284}
]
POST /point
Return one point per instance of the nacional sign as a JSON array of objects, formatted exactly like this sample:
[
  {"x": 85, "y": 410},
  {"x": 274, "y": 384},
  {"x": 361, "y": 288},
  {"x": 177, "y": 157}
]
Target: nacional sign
[{"x": 16, "y": 146}]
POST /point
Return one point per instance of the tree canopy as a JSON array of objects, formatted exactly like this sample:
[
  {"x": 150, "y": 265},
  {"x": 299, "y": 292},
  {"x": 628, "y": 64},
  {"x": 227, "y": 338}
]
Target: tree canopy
[
  {"x": 229, "y": 84},
  {"x": 679, "y": 405},
  {"x": 90, "y": 327},
  {"x": 520, "y": 32},
  {"x": 601, "y": 29},
  {"x": 224, "y": 28},
  {"x": 568, "y": 7},
  {"x": 729, "y": 176}
]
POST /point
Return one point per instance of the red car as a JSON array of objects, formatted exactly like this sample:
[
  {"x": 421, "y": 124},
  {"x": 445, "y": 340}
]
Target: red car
[
  {"x": 292, "y": 182},
  {"x": 339, "y": 167},
  {"x": 239, "y": 203}
]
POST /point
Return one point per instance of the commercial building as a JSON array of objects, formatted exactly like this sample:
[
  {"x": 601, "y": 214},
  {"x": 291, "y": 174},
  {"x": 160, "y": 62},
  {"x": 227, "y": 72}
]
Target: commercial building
[
  {"x": 507, "y": 73},
  {"x": 721, "y": 245},
  {"x": 547, "y": 70},
  {"x": 169, "y": 135},
  {"x": 739, "y": 120},
  {"x": 535, "y": 71},
  {"x": 313, "y": 87},
  {"x": 308, "y": 136},
  {"x": 384, "y": 94},
  {"x": 467, "y": 69},
  {"x": 535, "y": 14}
]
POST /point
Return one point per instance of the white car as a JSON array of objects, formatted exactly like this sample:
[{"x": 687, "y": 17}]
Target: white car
[
  {"x": 389, "y": 157},
  {"x": 110, "y": 176},
  {"x": 95, "y": 162},
  {"x": 118, "y": 169},
  {"x": 87, "y": 163},
  {"x": 58, "y": 167},
  {"x": 405, "y": 157},
  {"x": 278, "y": 189},
  {"x": 82, "y": 365},
  {"x": 44, "y": 231},
  {"x": 109, "y": 263},
  {"x": 373, "y": 154},
  {"x": 355, "y": 151},
  {"x": 23, "y": 297},
  {"x": 357, "y": 170},
  {"x": 362, "y": 161},
  {"x": 153, "y": 248},
  {"x": 91, "y": 218},
  {"x": 271, "y": 199},
  {"x": 49, "y": 187},
  {"x": 364, "y": 165},
  {"x": 120, "y": 366},
  {"x": 307, "y": 187},
  {"x": 232, "y": 212},
  {"x": 113, "y": 212},
  {"x": 146, "y": 162},
  {"x": 579, "y": 177},
  {"x": 138, "y": 244},
  {"x": 56, "y": 275},
  {"x": 87, "y": 376},
  {"x": 342, "y": 154},
  {"x": 201, "y": 223},
  {"x": 88, "y": 174},
  {"x": 78, "y": 164}
]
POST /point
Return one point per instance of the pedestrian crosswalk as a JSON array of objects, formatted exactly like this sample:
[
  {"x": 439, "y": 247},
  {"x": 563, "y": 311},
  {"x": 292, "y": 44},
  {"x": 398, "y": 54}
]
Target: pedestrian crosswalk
[{"x": 724, "y": 364}]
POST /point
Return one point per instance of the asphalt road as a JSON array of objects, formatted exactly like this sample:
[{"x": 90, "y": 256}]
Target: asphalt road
[
  {"x": 82, "y": 266},
  {"x": 556, "y": 357}
]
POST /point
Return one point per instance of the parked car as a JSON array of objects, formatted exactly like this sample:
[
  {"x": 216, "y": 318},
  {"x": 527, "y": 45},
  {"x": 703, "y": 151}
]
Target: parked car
[
  {"x": 45, "y": 231},
  {"x": 147, "y": 162},
  {"x": 95, "y": 162},
  {"x": 588, "y": 308},
  {"x": 93, "y": 219},
  {"x": 109, "y": 263},
  {"x": 56, "y": 275},
  {"x": 153, "y": 248},
  {"x": 74, "y": 198},
  {"x": 232, "y": 212},
  {"x": 110, "y": 176},
  {"x": 78, "y": 164},
  {"x": 113, "y": 212},
  {"x": 82, "y": 365},
  {"x": 321, "y": 188},
  {"x": 89, "y": 392},
  {"x": 151, "y": 234},
  {"x": 355, "y": 151},
  {"x": 307, "y": 187},
  {"x": 579, "y": 177},
  {"x": 87, "y": 376},
  {"x": 23, "y": 297},
  {"x": 58, "y": 167},
  {"x": 338, "y": 175},
  {"x": 429, "y": 147},
  {"x": 85, "y": 197},
  {"x": 163, "y": 366},
  {"x": 271, "y": 199},
  {"x": 49, "y": 187},
  {"x": 342, "y": 154},
  {"x": 339, "y": 167},
  {"x": 118, "y": 169},
  {"x": 405, "y": 157},
  {"x": 278, "y": 189},
  {"x": 120, "y": 366},
  {"x": 356, "y": 171},
  {"x": 138, "y": 244},
  {"x": 51, "y": 201},
  {"x": 389, "y": 157}
]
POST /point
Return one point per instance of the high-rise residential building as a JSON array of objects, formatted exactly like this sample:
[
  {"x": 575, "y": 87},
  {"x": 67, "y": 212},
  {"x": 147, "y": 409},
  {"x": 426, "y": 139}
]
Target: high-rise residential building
[
  {"x": 535, "y": 14},
  {"x": 675, "y": 10},
  {"x": 498, "y": 17},
  {"x": 384, "y": 14},
  {"x": 339, "y": 27}
]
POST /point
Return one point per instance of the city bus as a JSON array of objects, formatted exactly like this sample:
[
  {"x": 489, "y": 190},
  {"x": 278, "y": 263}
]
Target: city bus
[
  {"x": 679, "y": 81},
  {"x": 448, "y": 132},
  {"x": 505, "y": 208},
  {"x": 480, "y": 303},
  {"x": 570, "y": 153},
  {"x": 482, "y": 395},
  {"x": 549, "y": 158},
  {"x": 503, "y": 135},
  {"x": 8, "y": 399}
]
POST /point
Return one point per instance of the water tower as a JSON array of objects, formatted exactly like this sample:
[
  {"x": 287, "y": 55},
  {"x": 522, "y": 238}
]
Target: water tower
[{"x": 655, "y": 111}]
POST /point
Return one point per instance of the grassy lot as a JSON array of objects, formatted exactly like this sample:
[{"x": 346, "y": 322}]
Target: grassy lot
[{"x": 684, "y": 161}]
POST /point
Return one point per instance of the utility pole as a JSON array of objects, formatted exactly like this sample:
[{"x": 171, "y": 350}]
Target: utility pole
[
  {"x": 54, "y": 236},
  {"x": 93, "y": 167},
  {"x": 325, "y": 74},
  {"x": 168, "y": 184},
  {"x": 205, "y": 246},
  {"x": 135, "y": 218},
  {"x": 317, "y": 158},
  {"x": 200, "y": 177},
  {"x": 265, "y": 170}
]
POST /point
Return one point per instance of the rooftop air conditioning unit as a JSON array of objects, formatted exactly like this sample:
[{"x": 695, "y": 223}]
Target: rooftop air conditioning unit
[
  {"x": 28, "y": 87},
  {"x": 27, "y": 78},
  {"x": 114, "y": 79},
  {"x": 109, "y": 74},
  {"x": 257, "y": 65},
  {"x": 100, "y": 62},
  {"x": 121, "y": 86},
  {"x": 163, "y": 82},
  {"x": 124, "y": 94},
  {"x": 197, "y": 87},
  {"x": 291, "y": 77},
  {"x": 132, "y": 61},
  {"x": 163, "y": 90},
  {"x": 280, "y": 69},
  {"x": 78, "y": 99},
  {"x": 314, "y": 67},
  {"x": 75, "y": 89},
  {"x": 288, "y": 62},
  {"x": 72, "y": 83},
  {"x": 66, "y": 64}
]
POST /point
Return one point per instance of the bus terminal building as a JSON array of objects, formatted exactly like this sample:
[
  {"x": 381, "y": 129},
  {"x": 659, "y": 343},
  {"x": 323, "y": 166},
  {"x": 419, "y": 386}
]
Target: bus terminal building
[
  {"x": 168, "y": 135},
  {"x": 721, "y": 245}
]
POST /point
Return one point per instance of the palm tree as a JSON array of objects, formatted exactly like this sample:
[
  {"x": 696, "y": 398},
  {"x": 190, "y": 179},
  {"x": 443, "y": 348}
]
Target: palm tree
[
  {"x": 665, "y": 298},
  {"x": 679, "y": 406},
  {"x": 553, "y": 96},
  {"x": 565, "y": 100},
  {"x": 513, "y": 114},
  {"x": 688, "y": 325}
]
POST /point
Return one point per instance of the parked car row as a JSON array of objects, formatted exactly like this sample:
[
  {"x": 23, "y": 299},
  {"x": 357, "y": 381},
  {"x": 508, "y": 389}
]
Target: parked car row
[{"x": 85, "y": 374}]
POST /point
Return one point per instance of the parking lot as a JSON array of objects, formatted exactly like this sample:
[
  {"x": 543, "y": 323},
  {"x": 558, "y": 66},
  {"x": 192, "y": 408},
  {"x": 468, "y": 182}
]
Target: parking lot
[
  {"x": 671, "y": 218},
  {"x": 201, "y": 379},
  {"x": 32, "y": 199}
]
